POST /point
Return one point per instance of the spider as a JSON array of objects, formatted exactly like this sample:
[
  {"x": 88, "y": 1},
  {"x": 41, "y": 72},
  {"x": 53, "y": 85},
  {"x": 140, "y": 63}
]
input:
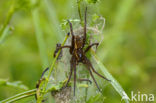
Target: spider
[{"x": 78, "y": 52}]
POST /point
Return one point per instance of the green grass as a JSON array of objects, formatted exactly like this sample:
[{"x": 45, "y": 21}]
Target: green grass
[
  {"x": 114, "y": 82},
  {"x": 4, "y": 31},
  {"x": 40, "y": 38}
]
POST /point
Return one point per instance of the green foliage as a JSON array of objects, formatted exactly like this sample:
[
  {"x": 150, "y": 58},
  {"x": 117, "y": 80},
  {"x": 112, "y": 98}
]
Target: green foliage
[
  {"x": 114, "y": 83},
  {"x": 49, "y": 73},
  {"x": 92, "y": 1},
  {"x": 32, "y": 92},
  {"x": 98, "y": 97},
  {"x": 5, "y": 28},
  {"x": 65, "y": 24},
  {"x": 23, "y": 5},
  {"x": 95, "y": 17},
  {"x": 15, "y": 84},
  {"x": 5, "y": 34}
]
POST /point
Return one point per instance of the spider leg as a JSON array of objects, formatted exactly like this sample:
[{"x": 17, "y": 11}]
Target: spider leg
[
  {"x": 90, "y": 65},
  {"x": 44, "y": 72},
  {"x": 91, "y": 46},
  {"x": 72, "y": 33},
  {"x": 99, "y": 74},
  {"x": 66, "y": 46},
  {"x": 71, "y": 70},
  {"x": 41, "y": 79},
  {"x": 38, "y": 84},
  {"x": 85, "y": 23},
  {"x": 74, "y": 78},
  {"x": 83, "y": 79},
  {"x": 93, "y": 77},
  {"x": 71, "y": 28},
  {"x": 60, "y": 47},
  {"x": 57, "y": 49}
]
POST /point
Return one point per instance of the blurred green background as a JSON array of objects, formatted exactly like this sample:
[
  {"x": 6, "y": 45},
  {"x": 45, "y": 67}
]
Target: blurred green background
[{"x": 128, "y": 49}]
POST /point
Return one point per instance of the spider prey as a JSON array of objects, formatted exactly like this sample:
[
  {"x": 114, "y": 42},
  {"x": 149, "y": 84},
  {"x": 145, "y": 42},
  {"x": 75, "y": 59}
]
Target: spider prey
[{"x": 78, "y": 52}]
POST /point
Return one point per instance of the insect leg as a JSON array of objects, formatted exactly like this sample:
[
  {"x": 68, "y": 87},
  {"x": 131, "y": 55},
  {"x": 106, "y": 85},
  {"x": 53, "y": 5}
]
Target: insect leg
[
  {"x": 74, "y": 78},
  {"x": 85, "y": 23},
  {"x": 91, "y": 46},
  {"x": 60, "y": 47},
  {"x": 70, "y": 74},
  {"x": 44, "y": 72},
  {"x": 71, "y": 28},
  {"x": 41, "y": 79},
  {"x": 92, "y": 77},
  {"x": 99, "y": 74},
  {"x": 83, "y": 79},
  {"x": 90, "y": 65},
  {"x": 66, "y": 46},
  {"x": 39, "y": 83},
  {"x": 72, "y": 33}
]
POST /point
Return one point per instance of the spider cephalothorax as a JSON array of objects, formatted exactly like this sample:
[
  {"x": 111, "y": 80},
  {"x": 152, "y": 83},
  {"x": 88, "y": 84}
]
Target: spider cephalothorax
[{"x": 78, "y": 52}]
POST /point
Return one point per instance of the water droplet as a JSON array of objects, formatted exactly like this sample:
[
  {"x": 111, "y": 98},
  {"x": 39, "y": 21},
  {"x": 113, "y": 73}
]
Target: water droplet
[{"x": 113, "y": 81}]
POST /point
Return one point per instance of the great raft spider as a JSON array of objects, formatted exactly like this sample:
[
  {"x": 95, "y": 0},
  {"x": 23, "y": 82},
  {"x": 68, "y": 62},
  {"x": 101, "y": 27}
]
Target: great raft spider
[{"x": 78, "y": 52}]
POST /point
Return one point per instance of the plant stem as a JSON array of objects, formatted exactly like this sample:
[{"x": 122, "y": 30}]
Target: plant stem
[
  {"x": 33, "y": 92},
  {"x": 4, "y": 34},
  {"x": 5, "y": 28},
  {"x": 11, "y": 11},
  {"x": 114, "y": 82},
  {"x": 19, "y": 96},
  {"x": 79, "y": 10},
  {"x": 50, "y": 71}
]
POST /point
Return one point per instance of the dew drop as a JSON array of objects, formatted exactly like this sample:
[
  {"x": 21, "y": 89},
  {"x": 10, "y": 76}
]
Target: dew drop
[{"x": 113, "y": 81}]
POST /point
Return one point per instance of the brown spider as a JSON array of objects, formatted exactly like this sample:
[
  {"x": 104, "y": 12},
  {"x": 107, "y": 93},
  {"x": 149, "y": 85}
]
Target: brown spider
[{"x": 77, "y": 51}]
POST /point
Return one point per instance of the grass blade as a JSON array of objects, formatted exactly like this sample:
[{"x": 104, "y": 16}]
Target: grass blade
[
  {"x": 114, "y": 82},
  {"x": 39, "y": 37},
  {"x": 19, "y": 96},
  {"x": 50, "y": 11},
  {"x": 5, "y": 33}
]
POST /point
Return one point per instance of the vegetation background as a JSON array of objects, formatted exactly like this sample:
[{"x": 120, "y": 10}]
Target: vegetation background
[{"x": 28, "y": 39}]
